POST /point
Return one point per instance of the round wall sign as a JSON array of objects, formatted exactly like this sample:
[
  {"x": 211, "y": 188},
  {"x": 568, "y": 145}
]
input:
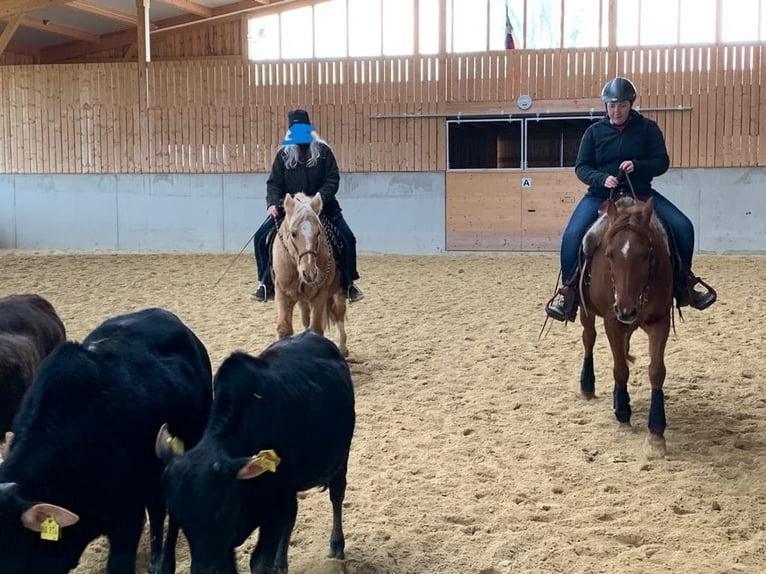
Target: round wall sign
[{"x": 524, "y": 102}]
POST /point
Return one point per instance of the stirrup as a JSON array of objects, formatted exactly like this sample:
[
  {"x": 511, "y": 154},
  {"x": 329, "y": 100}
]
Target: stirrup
[
  {"x": 565, "y": 309},
  {"x": 701, "y": 300},
  {"x": 354, "y": 293}
]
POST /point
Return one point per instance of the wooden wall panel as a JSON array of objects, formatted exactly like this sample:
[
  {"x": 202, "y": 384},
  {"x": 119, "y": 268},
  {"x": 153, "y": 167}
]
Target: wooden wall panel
[
  {"x": 217, "y": 113},
  {"x": 494, "y": 210},
  {"x": 483, "y": 211}
]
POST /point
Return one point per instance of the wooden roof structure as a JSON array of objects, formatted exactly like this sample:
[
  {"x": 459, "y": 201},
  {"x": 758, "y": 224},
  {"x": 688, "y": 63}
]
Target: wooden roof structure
[{"x": 55, "y": 30}]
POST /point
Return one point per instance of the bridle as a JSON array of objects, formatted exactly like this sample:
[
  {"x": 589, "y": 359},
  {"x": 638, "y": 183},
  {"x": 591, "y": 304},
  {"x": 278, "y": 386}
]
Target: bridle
[
  {"x": 298, "y": 255},
  {"x": 643, "y": 297}
]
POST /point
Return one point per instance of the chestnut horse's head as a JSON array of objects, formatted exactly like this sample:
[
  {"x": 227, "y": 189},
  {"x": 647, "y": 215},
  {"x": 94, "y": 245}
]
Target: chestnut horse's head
[
  {"x": 303, "y": 235},
  {"x": 631, "y": 247}
]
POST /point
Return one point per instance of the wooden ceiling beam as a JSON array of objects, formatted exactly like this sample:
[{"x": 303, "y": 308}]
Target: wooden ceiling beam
[
  {"x": 221, "y": 13},
  {"x": 8, "y": 32},
  {"x": 105, "y": 12},
  {"x": 189, "y": 6},
  {"x": 10, "y": 8},
  {"x": 46, "y": 26},
  {"x": 63, "y": 52}
]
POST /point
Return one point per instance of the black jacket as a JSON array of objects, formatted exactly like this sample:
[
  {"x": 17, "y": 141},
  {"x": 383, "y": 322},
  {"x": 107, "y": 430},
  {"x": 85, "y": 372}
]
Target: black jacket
[
  {"x": 603, "y": 148},
  {"x": 322, "y": 178}
]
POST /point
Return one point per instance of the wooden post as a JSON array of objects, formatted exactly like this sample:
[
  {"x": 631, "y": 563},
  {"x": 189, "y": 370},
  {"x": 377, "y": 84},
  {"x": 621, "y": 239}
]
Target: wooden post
[
  {"x": 416, "y": 27},
  {"x": 144, "y": 57},
  {"x": 612, "y": 40},
  {"x": 8, "y": 31}
]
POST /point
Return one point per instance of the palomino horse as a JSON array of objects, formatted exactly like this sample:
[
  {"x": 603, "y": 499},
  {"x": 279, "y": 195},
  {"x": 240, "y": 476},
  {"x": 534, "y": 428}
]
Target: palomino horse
[
  {"x": 305, "y": 272},
  {"x": 630, "y": 285}
]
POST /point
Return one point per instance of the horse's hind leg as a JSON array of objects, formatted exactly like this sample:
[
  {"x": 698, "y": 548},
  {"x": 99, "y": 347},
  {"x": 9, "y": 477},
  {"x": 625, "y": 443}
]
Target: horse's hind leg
[
  {"x": 587, "y": 374},
  {"x": 338, "y": 314},
  {"x": 318, "y": 315},
  {"x": 654, "y": 445},
  {"x": 305, "y": 314},
  {"x": 618, "y": 339}
]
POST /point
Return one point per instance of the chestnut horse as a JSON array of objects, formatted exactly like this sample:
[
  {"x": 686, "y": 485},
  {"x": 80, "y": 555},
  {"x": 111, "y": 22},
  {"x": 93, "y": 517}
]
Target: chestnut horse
[
  {"x": 629, "y": 283},
  {"x": 305, "y": 272}
]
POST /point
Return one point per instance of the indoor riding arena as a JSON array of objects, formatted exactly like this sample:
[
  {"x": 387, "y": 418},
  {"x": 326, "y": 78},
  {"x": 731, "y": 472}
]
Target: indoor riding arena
[{"x": 136, "y": 142}]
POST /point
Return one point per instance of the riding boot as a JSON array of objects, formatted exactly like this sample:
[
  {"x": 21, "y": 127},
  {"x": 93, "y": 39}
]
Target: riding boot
[
  {"x": 686, "y": 294},
  {"x": 265, "y": 291},
  {"x": 565, "y": 308}
]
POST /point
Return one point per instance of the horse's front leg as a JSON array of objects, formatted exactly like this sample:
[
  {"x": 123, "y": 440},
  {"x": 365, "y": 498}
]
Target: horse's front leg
[
  {"x": 618, "y": 342},
  {"x": 587, "y": 374},
  {"x": 318, "y": 313},
  {"x": 654, "y": 444},
  {"x": 284, "y": 314}
]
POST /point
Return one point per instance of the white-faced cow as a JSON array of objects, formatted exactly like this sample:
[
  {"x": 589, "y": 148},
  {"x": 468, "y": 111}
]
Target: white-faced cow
[
  {"x": 82, "y": 462},
  {"x": 280, "y": 423},
  {"x": 29, "y": 330}
]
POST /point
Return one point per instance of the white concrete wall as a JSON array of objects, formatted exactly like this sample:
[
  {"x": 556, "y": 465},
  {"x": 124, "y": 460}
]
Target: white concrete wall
[{"x": 389, "y": 212}]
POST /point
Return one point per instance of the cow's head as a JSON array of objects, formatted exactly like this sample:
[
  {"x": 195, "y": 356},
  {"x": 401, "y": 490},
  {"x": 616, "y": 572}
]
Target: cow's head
[
  {"x": 203, "y": 492},
  {"x": 30, "y": 531}
]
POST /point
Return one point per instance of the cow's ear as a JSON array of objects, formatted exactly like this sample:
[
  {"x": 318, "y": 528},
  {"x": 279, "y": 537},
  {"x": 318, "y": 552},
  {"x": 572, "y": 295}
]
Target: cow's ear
[
  {"x": 166, "y": 447},
  {"x": 264, "y": 461},
  {"x": 34, "y": 516},
  {"x": 316, "y": 203}
]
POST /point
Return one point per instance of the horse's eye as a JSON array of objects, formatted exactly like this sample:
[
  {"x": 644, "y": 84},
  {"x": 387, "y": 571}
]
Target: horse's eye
[
  {"x": 608, "y": 254},
  {"x": 294, "y": 234}
]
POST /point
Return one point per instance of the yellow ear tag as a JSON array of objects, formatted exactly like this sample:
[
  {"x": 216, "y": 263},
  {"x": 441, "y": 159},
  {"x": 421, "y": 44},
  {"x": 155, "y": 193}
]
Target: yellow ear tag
[
  {"x": 50, "y": 529},
  {"x": 268, "y": 460},
  {"x": 176, "y": 445}
]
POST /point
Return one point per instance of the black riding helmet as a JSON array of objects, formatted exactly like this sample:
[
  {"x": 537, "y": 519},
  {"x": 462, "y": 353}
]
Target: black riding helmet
[{"x": 618, "y": 90}]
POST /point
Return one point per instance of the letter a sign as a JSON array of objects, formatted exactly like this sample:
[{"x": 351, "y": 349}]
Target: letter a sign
[{"x": 526, "y": 182}]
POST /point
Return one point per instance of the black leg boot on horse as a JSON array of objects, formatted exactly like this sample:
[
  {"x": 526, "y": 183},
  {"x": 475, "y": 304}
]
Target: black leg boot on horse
[{"x": 563, "y": 305}]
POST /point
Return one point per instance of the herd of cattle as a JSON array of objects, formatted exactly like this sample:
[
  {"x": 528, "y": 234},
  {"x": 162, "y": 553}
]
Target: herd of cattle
[{"x": 131, "y": 422}]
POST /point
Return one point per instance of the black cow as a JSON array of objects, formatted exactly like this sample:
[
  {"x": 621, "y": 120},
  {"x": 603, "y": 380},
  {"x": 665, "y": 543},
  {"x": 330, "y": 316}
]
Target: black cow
[
  {"x": 280, "y": 423},
  {"x": 29, "y": 330},
  {"x": 82, "y": 462}
]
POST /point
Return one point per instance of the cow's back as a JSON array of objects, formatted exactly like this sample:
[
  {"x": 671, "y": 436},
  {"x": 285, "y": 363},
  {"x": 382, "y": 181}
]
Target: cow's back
[
  {"x": 86, "y": 428},
  {"x": 32, "y": 316},
  {"x": 297, "y": 399},
  {"x": 29, "y": 330}
]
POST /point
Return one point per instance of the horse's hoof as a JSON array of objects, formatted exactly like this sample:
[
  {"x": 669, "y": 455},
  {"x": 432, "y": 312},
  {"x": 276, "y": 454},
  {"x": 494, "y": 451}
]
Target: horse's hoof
[
  {"x": 654, "y": 446},
  {"x": 624, "y": 428},
  {"x": 588, "y": 395}
]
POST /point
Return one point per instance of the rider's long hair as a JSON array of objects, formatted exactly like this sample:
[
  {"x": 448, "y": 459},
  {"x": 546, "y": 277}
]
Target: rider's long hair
[{"x": 291, "y": 152}]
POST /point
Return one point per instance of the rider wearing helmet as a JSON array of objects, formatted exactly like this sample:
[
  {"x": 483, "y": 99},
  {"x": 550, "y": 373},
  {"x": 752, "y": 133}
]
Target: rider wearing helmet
[{"x": 623, "y": 141}]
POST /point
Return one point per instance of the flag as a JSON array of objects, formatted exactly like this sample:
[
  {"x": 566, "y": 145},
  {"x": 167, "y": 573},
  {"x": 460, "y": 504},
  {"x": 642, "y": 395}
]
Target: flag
[{"x": 509, "y": 43}]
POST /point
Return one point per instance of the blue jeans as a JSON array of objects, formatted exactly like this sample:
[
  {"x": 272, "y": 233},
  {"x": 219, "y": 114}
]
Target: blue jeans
[{"x": 679, "y": 226}]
